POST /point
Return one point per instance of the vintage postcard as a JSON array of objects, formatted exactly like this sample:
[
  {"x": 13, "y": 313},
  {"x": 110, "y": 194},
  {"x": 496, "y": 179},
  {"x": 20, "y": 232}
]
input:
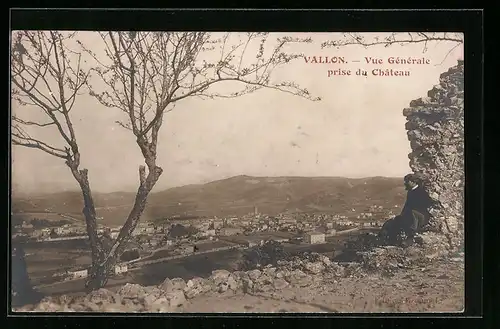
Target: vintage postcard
[{"x": 199, "y": 172}]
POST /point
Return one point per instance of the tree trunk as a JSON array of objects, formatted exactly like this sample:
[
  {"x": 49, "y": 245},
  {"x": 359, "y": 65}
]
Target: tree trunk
[
  {"x": 90, "y": 213},
  {"x": 104, "y": 259},
  {"x": 97, "y": 273},
  {"x": 101, "y": 271}
]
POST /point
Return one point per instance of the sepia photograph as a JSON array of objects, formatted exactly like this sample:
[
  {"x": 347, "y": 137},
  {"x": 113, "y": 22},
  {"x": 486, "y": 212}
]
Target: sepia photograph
[{"x": 237, "y": 172}]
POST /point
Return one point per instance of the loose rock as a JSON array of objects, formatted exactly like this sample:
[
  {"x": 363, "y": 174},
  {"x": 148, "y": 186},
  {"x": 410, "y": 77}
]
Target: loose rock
[{"x": 170, "y": 285}]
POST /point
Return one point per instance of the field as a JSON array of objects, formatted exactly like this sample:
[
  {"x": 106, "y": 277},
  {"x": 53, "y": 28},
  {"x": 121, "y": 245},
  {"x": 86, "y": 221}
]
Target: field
[
  {"x": 203, "y": 246},
  {"x": 213, "y": 245},
  {"x": 44, "y": 259},
  {"x": 200, "y": 265},
  {"x": 50, "y": 216}
]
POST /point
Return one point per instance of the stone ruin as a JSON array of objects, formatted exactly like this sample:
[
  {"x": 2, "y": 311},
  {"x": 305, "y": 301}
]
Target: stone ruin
[{"x": 435, "y": 129}]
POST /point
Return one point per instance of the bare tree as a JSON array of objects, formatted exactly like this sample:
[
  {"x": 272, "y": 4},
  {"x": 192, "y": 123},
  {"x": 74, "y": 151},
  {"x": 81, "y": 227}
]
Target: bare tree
[
  {"x": 48, "y": 76},
  {"x": 145, "y": 74},
  {"x": 398, "y": 38}
]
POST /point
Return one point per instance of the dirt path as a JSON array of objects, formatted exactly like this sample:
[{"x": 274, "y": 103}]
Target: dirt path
[{"x": 250, "y": 304}]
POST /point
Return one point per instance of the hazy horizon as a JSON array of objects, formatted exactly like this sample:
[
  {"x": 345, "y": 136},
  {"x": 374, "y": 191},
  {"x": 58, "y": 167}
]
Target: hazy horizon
[
  {"x": 356, "y": 131},
  {"x": 76, "y": 189}
]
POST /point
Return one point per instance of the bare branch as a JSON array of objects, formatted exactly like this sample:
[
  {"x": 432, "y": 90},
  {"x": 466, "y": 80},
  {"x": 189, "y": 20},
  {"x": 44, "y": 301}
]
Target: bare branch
[
  {"x": 393, "y": 38},
  {"x": 448, "y": 54},
  {"x": 155, "y": 69},
  {"x": 45, "y": 77},
  {"x": 21, "y": 138},
  {"x": 31, "y": 123}
]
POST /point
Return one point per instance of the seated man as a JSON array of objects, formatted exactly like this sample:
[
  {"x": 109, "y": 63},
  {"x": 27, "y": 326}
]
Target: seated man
[{"x": 414, "y": 216}]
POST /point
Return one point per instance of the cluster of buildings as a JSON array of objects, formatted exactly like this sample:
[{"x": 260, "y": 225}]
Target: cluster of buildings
[
  {"x": 154, "y": 235},
  {"x": 267, "y": 223},
  {"x": 373, "y": 224},
  {"x": 365, "y": 215},
  {"x": 249, "y": 230},
  {"x": 28, "y": 231},
  {"x": 375, "y": 208},
  {"x": 146, "y": 228},
  {"x": 346, "y": 223},
  {"x": 256, "y": 223}
]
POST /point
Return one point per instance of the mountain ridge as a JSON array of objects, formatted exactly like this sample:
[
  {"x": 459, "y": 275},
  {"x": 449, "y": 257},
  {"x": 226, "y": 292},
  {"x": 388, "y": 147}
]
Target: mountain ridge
[{"x": 235, "y": 195}]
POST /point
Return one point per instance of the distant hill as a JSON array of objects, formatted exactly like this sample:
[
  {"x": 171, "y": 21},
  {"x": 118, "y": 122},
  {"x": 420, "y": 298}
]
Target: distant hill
[{"x": 234, "y": 196}]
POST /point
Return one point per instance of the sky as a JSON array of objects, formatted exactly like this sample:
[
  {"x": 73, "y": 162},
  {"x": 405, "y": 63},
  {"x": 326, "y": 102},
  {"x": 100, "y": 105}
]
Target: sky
[{"x": 356, "y": 130}]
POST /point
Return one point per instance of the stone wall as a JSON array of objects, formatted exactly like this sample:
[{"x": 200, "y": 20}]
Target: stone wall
[{"x": 435, "y": 128}]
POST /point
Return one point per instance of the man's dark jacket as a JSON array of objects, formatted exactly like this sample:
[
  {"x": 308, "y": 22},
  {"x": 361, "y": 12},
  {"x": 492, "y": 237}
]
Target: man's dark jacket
[
  {"x": 417, "y": 200},
  {"x": 414, "y": 215}
]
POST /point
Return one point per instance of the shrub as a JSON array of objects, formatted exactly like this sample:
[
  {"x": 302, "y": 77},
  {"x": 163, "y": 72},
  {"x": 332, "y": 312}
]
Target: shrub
[
  {"x": 267, "y": 254},
  {"x": 130, "y": 255}
]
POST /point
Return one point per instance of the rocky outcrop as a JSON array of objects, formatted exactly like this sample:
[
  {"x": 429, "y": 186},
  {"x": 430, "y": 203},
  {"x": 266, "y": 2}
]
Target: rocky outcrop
[{"x": 435, "y": 129}]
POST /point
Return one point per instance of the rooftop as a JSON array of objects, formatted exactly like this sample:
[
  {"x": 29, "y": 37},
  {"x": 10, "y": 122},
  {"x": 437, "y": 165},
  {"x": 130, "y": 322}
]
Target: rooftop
[{"x": 315, "y": 233}]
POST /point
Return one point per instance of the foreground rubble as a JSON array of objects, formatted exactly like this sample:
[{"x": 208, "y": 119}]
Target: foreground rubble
[{"x": 304, "y": 281}]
